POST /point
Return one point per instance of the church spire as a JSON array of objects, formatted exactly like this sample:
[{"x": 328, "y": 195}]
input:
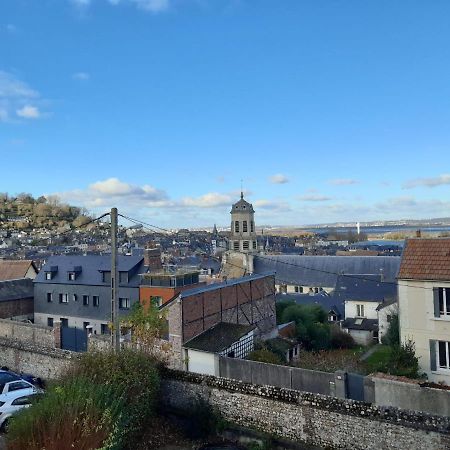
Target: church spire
[{"x": 242, "y": 190}]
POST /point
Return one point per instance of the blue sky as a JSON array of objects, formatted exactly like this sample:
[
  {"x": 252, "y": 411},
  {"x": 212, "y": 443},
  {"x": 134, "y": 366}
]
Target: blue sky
[{"x": 328, "y": 110}]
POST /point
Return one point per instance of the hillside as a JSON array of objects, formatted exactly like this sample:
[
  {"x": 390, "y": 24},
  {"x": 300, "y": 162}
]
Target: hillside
[{"x": 24, "y": 212}]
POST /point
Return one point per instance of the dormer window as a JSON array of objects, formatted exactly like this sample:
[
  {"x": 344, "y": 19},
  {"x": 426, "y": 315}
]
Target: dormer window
[
  {"x": 71, "y": 276},
  {"x": 48, "y": 275}
]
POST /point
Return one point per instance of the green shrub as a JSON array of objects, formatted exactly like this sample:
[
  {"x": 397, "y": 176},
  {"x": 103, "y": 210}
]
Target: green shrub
[
  {"x": 130, "y": 373},
  {"x": 392, "y": 336},
  {"x": 266, "y": 356},
  {"x": 104, "y": 401},
  {"x": 340, "y": 339},
  {"x": 77, "y": 414},
  {"x": 403, "y": 361}
]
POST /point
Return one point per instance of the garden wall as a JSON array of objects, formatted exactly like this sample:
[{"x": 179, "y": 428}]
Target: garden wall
[{"x": 301, "y": 417}]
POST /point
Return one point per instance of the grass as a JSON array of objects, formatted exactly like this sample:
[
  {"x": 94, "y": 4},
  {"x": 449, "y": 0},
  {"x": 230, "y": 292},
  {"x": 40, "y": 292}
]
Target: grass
[{"x": 378, "y": 360}]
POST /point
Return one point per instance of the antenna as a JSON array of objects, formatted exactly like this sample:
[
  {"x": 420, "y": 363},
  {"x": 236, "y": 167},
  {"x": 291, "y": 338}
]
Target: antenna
[{"x": 242, "y": 190}]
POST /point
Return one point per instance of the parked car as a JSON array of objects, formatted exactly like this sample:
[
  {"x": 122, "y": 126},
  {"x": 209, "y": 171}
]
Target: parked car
[
  {"x": 12, "y": 402},
  {"x": 10, "y": 382},
  {"x": 24, "y": 376}
]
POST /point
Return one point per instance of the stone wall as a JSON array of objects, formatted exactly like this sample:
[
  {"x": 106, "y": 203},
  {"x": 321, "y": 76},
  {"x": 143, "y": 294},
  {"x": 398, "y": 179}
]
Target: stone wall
[
  {"x": 42, "y": 362},
  {"x": 312, "y": 419},
  {"x": 30, "y": 333}
]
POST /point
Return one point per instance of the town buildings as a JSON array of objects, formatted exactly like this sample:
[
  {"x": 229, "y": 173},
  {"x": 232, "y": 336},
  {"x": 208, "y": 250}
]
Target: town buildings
[{"x": 76, "y": 290}]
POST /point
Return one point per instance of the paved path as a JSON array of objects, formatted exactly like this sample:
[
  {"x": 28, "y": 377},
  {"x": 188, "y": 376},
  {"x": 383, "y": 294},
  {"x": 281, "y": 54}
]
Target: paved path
[{"x": 369, "y": 352}]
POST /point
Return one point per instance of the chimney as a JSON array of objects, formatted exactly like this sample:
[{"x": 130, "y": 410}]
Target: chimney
[
  {"x": 152, "y": 258},
  {"x": 418, "y": 233}
]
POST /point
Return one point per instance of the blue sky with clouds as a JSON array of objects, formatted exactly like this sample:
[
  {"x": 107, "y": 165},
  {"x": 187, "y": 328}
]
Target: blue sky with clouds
[{"x": 328, "y": 110}]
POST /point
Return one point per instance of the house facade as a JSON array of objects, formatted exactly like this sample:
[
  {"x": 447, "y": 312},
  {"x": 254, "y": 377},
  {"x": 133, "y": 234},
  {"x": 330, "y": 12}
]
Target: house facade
[
  {"x": 75, "y": 290},
  {"x": 424, "y": 304}
]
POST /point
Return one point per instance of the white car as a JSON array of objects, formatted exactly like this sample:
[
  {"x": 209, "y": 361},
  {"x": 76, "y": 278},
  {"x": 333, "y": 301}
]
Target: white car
[
  {"x": 17, "y": 385},
  {"x": 12, "y": 402}
]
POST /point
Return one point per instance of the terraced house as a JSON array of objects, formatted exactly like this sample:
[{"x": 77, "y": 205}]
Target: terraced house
[{"x": 76, "y": 290}]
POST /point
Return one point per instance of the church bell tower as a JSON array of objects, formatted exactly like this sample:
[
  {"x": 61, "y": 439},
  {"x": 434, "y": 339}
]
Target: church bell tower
[{"x": 243, "y": 234}]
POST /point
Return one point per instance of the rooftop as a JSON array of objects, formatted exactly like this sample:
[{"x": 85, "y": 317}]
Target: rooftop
[
  {"x": 16, "y": 289},
  {"x": 219, "y": 337},
  {"x": 13, "y": 270},
  {"x": 426, "y": 259}
]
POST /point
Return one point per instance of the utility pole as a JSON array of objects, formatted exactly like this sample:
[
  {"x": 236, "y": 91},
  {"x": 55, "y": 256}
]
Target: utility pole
[{"x": 115, "y": 333}]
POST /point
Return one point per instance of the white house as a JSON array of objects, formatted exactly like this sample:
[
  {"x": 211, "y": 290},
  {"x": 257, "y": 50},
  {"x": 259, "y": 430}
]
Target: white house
[
  {"x": 201, "y": 354},
  {"x": 424, "y": 304}
]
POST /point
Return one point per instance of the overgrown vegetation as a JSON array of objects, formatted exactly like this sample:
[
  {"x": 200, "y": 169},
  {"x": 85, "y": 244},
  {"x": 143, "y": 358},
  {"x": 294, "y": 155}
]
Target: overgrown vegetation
[
  {"x": 104, "y": 401},
  {"x": 265, "y": 355},
  {"x": 312, "y": 328}
]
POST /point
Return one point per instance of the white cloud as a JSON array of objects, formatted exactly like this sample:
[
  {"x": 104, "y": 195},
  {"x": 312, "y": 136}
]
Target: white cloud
[
  {"x": 210, "y": 200},
  {"x": 428, "y": 182},
  {"x": 272, "y": 205},
  {"x": 29, "y": 112},
  {"x": 343, "y": 181},
  {"x": 17, "y": 99},
  {"x": 81, "y": 76},
  {"x": 314, "y": 198},
  {"x": 278, "y": 179}
]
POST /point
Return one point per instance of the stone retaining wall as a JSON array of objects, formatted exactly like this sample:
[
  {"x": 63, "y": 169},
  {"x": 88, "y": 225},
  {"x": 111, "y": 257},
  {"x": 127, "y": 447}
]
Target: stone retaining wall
[
  {"x": 313, "y": 419},
  {"x": 42, "y": 362}
]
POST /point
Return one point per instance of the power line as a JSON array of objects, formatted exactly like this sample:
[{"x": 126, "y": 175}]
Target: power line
[{"x": 353, "y": 276}]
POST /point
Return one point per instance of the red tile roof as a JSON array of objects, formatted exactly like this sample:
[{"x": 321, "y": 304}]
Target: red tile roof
[
  {"x": 426, "y": 259},
  {"x": 14, "y": 269}
]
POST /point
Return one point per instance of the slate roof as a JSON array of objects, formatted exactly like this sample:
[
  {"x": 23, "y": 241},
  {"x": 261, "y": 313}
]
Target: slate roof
[
  {"x": 426, "y": 259},
  {"x": 242, "y": 205},
  {"x": 368, "y": 288},
  {"x": 327, "y": 302},
  {"x": 16, "y": 289},
  {"x": 219, "y": 337},
  {"x": 212, "y": 287},
  {"x": 13, "y": 270},
  {"x": 360, "y": 324},
  {"x": 323, "y": 271},
  {"x": 91, "y": 266}
]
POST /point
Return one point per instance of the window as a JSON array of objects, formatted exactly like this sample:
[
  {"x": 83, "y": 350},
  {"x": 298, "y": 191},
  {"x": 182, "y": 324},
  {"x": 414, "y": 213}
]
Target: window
[
  {"x": 254, "y": 245},
  {"x": 444, "y": 301},
  {"x": 252, "y": 226},
  {"x": 63, "y": 298},
  {"x": 244, "y": 226},
  {"x": 48, "y": 275},
  {"x": 298, "y": 289},
  {"x": 443, "y": 356},
  {"x": 104, "y": 329},
  {"x": 236, "y": 226},
  {"x": 123, "y": 277},
  {"x": 156, "y": 301},
  {"x": 124, "y": 303},
  {"x": 245, "y": 245},
  {"x": 64, "y": 322},
  {"x": 96, "y": 300},
  {"x": 75, "y": 297},
  {"x": 360, "y": 310},
  {"x": 236, "y": 245},
  {"x": 71, "y": 276},
  {"x": 49, "y": 297},
  {"x": 18, "y": 385},
  {"x": 21, "y": 401},
  {"x": 85, "y": 300},
  {"x": 49, "y": 321}
]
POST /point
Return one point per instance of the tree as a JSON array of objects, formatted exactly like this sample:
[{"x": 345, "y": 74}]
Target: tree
[
  {"x": 266, "y": 356},
  {"x": 403, "y": 361},
  {"x": 80, "y": 221},
  {"x": 392, "y": 336},
  {"x": 41, "y": 199},
  {"x": 147, "y": 325}
]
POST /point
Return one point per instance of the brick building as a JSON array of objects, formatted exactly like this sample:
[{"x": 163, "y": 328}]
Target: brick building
[{"x": 244, "y": 301}]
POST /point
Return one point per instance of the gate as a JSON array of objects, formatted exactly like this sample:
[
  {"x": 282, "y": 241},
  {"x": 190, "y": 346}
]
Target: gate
[
  {"x": 355, "y": 386},
  {"x": 74, "y": 339}
]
